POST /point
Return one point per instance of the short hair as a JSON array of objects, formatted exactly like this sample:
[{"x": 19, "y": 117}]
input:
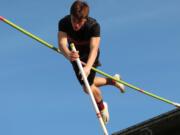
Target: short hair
[{"x": 79, "y": 9}]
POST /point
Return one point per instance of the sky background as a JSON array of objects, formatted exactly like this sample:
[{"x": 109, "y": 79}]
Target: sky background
[{"x": 39, "y": 93}]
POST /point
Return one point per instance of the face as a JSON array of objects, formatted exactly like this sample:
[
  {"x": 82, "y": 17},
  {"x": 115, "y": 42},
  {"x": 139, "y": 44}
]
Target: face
[{"x": 76, "y": 24}]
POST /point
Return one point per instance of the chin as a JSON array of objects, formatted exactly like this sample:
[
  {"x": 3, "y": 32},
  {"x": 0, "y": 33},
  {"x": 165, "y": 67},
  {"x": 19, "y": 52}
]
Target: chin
[{"x": 76, "y": 29}]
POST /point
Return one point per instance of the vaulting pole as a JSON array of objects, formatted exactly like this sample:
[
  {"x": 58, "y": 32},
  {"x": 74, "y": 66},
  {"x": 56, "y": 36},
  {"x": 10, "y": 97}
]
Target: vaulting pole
[
  {"x": 97, "y": 70},
  {"x": 90, "y": 92}
]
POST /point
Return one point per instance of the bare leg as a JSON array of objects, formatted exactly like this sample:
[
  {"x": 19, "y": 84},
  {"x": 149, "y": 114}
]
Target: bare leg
[
  {"x": 96, "y": 92},
  {"x": 103, "y": 107},
  {"x": 100, "y": 81}
]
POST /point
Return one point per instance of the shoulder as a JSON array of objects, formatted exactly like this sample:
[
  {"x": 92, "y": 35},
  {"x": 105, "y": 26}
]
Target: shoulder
[
  {"x": 93, "y": 27},
  {"x": 64, "y": 23},
  {"x": 65, "y": 19},
  {"x": 91, "y": 22}
]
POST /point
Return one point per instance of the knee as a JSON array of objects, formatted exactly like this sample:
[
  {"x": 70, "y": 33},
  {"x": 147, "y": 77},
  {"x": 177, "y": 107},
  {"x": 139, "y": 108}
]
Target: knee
[{"x": 93, "y": 89}]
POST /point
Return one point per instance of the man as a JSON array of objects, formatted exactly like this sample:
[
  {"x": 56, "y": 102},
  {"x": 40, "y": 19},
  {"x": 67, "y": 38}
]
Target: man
[{"x": 84, "y": 32}]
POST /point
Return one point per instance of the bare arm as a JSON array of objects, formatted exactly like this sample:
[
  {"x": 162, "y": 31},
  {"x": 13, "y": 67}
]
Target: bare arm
[
  {"x": 94, "y": 46},
  {"x": 62, "y": 42}
]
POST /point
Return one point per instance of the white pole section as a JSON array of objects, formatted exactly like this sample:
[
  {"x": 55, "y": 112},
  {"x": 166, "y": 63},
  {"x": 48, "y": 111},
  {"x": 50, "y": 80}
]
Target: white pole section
[{"x": 90, "y": 92}]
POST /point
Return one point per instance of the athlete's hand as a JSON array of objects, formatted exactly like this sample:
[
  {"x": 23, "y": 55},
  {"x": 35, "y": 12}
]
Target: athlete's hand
[
  {"x": 87, "y": 70},
  {"x": 73, "y": 55}
]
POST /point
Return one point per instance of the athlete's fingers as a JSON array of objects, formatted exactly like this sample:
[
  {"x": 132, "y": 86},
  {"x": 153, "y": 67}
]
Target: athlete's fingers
[{"x": 74, "y": 55}]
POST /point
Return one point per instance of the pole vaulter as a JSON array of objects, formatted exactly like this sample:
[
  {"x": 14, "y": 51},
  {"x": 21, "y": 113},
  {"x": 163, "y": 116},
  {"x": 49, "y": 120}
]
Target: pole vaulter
[{"x": 79, "y": 63}]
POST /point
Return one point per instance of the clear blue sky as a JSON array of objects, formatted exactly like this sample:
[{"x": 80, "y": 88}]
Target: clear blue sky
[{"x": 39, "y": 94}]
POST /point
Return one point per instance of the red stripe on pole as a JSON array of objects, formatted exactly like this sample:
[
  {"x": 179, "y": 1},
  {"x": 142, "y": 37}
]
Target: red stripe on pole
[{"x": 1, "y": 18}]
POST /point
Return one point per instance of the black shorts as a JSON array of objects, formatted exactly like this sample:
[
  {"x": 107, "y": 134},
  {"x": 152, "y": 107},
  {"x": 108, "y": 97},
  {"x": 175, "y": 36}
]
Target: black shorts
[
  {"x": 79, "y": 77},
  {"x": 92, "y": 72}
]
